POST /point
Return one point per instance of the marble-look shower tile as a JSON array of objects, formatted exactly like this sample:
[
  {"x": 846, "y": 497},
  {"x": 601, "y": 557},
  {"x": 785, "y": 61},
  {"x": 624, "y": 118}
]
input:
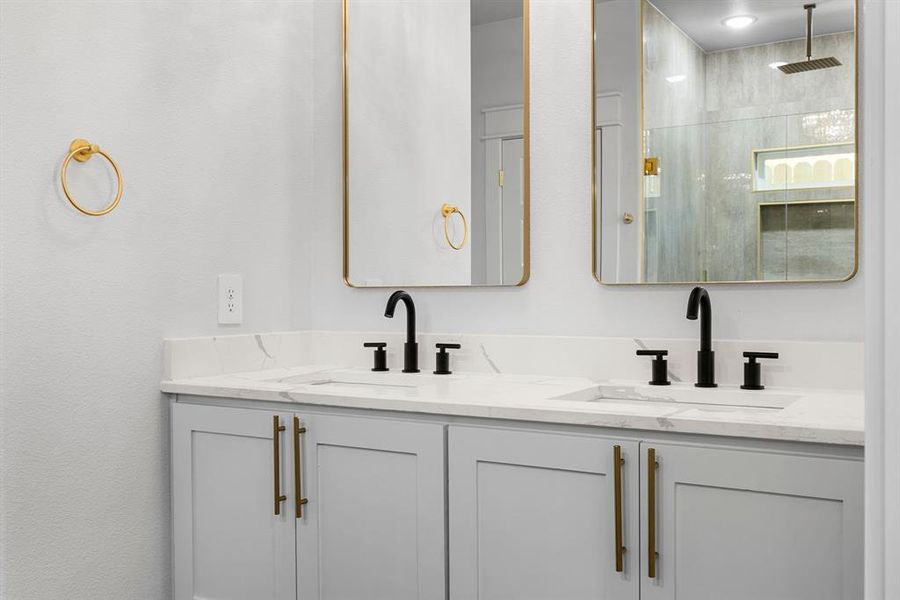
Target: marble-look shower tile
[
  {"x": 749, "y": 106},
  {"x": 668, "y": 52}
]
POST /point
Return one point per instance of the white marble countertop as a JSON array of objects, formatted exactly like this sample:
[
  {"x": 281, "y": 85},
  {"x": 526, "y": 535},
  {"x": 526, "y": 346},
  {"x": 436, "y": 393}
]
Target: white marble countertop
[{"x": 818, "y": 416}]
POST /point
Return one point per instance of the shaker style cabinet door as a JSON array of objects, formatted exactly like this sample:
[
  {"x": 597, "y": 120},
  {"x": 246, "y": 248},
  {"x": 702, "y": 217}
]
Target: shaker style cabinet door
[
  {"x": 748, "y": 525},
  {"x": 533, "y": 516},
  {"x": 228, "y": 541},
  {"x": 373, "y": 524}
]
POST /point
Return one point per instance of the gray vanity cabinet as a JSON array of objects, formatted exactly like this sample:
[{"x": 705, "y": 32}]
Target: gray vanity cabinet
[
  {"x": 747, "y": 524},
  {"x": 373, "y": 528},
  {"x": 408, "y": 509},
  {"x": 227, "y": 541},
  {"x": 533, "y": 516}
]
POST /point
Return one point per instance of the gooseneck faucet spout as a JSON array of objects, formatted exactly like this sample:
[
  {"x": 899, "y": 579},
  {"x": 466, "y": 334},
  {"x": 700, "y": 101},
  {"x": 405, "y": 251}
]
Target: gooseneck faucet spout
[
  {"x": 699, "y": 303},
  {"x": 410, "y": 348}
]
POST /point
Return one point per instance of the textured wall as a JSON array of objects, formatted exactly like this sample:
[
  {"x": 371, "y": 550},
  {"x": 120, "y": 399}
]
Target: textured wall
[
  {"x": 562, "y": 297},
  {"x": 206, "y": 107}
]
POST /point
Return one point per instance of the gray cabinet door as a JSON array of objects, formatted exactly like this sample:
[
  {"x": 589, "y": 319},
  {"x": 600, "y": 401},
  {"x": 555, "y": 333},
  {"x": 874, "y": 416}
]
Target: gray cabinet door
[
  {"x": 373, "y": 527},
  {"x": 532, "y": 516},
  {"x": 752, "y": 525},
  {"x": 228, "y": 543}
]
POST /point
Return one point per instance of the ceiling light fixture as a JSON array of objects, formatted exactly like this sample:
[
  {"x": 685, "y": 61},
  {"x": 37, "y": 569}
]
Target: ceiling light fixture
[
  {"x": 739, "y": 21},
  {"x": 776, "y": 64},
  {"x": 676, "y": 78}
]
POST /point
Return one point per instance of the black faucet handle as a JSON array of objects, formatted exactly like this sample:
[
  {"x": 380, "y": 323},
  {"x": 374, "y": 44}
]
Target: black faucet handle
[
  {"x": 752, "y": 370},
  {"x": 442, "y": 358},
  {"x": 660, "y": 366},
  {"x": 754, "y": 355},
  {"x": 380, "y": 355}
]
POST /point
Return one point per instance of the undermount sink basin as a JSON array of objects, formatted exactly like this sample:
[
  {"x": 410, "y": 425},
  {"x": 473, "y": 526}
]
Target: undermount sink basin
[
  {"x": 351, "y": 385},
  {"x": 464, "y": 386},
  {"x": 685, "y": 394},
  {"x": 357, "y": 380}
]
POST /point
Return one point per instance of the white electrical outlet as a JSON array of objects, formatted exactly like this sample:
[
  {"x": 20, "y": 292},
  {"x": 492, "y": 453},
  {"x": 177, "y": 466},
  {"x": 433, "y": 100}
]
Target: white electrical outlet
[{"x": 231, "y": 299}]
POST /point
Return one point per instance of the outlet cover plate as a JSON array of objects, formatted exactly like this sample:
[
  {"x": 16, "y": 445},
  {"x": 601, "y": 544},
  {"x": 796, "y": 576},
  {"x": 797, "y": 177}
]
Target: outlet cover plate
[{"x": 231, "y": 299}]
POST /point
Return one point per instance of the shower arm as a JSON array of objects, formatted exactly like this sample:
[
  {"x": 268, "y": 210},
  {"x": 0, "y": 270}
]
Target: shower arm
[{"x": 809, "y": 23}]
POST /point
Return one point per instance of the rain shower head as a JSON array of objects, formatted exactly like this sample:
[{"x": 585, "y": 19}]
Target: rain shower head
[{"x": 810, "y": 64}]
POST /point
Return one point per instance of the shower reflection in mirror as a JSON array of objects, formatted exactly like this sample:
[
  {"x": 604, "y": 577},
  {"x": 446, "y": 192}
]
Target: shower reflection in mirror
[{"x": 731, "y": 136}]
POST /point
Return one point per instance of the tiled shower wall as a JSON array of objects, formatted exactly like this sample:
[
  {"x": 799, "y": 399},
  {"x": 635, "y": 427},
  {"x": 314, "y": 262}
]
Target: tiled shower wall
[
  {"x": 752, "y": 107},
  {"x": 674, "y": 245},
  {"x": 705, "y": 128}
]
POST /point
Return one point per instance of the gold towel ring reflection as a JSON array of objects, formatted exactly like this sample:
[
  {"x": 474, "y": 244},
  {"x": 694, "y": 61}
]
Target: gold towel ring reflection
[
  {"x": 82, "y": 151},
  {"x": 447, "y": 210}
]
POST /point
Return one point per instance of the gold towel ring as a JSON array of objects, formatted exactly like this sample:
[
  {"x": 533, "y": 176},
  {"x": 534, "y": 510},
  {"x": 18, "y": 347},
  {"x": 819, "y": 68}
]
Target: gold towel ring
[
  {"x": 447, "y": 210},
  {"x": 82, "y": 150}
]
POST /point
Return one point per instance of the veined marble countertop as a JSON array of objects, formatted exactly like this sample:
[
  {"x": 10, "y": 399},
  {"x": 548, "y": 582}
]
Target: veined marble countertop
[{"x": 802, "y": 415}]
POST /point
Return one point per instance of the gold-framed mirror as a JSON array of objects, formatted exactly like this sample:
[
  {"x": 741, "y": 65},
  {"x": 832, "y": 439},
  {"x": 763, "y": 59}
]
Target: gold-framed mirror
[
  {"x": 725, "y": 141},
  {"x": 435, "y": 143}
]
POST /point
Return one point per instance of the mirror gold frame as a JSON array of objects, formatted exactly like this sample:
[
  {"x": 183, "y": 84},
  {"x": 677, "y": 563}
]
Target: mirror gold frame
[
  {"x": 595, "y": 206},
  {"x": 526, "y": 169}
]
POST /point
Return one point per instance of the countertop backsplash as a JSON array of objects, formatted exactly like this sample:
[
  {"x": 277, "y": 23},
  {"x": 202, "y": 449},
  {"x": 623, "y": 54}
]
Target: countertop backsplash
[{"x": 812, "y": 365}]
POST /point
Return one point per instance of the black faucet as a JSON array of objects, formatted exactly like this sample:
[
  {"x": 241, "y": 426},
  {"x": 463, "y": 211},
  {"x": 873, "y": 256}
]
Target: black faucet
[
  {"x": 410, "y": 348},
  {"x": 706, "y": 366}
]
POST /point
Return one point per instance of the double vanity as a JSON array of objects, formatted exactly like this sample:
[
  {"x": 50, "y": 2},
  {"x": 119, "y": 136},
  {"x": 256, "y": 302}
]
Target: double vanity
[
  {"x": 293, "y": 479},
  {"x": 353, "y": 466}
]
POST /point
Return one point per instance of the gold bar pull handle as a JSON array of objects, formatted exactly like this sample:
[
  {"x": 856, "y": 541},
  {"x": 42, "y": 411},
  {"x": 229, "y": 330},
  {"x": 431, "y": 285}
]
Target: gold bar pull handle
[
  {"x": 277, "y": 428},
  {"x": 298, "y": 471},
  {"x": 618, "y": 463},
  {"x": 652, "y": 554}
]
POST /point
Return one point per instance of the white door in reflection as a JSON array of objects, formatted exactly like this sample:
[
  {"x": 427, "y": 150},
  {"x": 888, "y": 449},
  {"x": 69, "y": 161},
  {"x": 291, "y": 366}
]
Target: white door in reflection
[
  {"x": 504, "y": 211},
  {"x": 511, "y": 208}
]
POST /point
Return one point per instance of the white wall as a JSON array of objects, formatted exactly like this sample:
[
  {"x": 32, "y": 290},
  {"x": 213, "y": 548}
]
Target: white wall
[
  {"x": 562, "y": 297},
  {"x": 410, "y": 132},
  {"x": 881, "y": 145},
  {"x": 205, "y": 106},
  {"x": 496, "y": 82}
]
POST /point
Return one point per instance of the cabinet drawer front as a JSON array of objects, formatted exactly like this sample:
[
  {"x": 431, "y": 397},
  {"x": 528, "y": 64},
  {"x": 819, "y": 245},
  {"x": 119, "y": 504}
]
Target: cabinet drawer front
[
  {"x": 532, "y": 516},
  {"x": 373, "y": 528},
  {"x": 746, "y": 525}
]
